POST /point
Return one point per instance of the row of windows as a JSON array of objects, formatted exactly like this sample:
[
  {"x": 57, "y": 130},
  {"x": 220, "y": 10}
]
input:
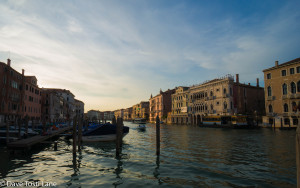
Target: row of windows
[
  {"x": 284, "y": 72},
  {"x": 294, "y": 107},
  {"x": 293, "y": 88},
  {"x": 32, "y": 90},
  {"x": 32, "y": 110}
]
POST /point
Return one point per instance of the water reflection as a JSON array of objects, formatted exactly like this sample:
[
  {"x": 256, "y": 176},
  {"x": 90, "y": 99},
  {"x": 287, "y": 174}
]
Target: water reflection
[{"x": 156, "y": 171}]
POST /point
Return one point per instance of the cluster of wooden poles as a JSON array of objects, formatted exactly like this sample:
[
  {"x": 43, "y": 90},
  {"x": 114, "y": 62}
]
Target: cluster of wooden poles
[{"x": 77, "y": 134}]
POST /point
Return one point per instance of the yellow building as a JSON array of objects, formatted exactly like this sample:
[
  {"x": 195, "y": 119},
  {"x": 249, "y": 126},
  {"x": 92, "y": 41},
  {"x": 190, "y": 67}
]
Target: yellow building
[
  {"x": 282, "y": 93},
  {"x": 179, "y": 113}
]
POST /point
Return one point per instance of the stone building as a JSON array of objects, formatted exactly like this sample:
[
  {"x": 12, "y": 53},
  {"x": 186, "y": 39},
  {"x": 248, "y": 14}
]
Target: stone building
[
  {"x": 140, "y": 110},
  {"x": 180, "y": 100},
  {"x": 79, "y": 108},
  {"x": 54, "y": 107},
  {"x": 32, "y": 99},
  {"x": 160, "y": 105},
  {"x": 224, "y": 97},
  {"x": 93, "y": 115},
  {"x": 119, "y": 113},
  {"x": 12, "y": 92},
  {"x": 127, "y": 114},
  {"x": 282, "y": 93}
]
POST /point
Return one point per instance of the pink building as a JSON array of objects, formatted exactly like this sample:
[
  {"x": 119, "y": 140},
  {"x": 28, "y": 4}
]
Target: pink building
[
  {"x": 32, "y": 99},
  {"x": 160, "y": 105}
]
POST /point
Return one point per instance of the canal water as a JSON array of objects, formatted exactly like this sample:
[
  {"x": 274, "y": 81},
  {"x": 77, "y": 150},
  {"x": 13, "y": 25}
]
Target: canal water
[{"x": 190, "y": 157}]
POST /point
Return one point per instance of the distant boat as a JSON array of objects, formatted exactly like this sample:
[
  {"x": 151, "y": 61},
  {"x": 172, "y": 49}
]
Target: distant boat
[
  {"x": 139, "y": 121},
  {"x": 103, "y": 133},
  {"x": 142, "y": 127}
]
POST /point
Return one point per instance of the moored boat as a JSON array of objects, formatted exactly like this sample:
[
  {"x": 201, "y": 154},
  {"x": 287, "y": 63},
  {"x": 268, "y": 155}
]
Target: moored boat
[
  {"x": 103, "y": 133},
  {"x": 139, "y": 121}
]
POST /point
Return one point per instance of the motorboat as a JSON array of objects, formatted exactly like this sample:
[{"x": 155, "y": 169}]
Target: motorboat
[
  {"x": 103, "y": 133},
  {"x": 139, "y": 121},
  {"x": 141, "y": 127}
]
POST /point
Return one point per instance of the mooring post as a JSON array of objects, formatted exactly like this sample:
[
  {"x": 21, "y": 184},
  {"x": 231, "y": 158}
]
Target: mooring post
[
  {"x": 113, "y": 121},
  {"x": 7, "y": 132},
  {"x": 119, "y": 137},
  {"x": 157, "y": 136},
  {"x": 26, "y": 127},
  {"x": 55, "y": 145},
  {"x": 80, "y": 122},
  {"x": 19, "y": 128},
  {"x": 74, "y": 135},
  {"x": 298, "y": 155}
]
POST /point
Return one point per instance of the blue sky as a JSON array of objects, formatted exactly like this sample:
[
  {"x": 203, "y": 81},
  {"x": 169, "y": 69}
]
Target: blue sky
[{"x": 114, "y": 54}]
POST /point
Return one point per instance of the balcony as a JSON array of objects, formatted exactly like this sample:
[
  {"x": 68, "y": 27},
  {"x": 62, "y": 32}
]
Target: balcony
[
  {"x": 298, "y": 95},
  {"x": 271, "y": 98},
  {"x": 292, "y": 96},
  {"x": 284, "y": 97},
  {"x": 271, "y": 114},
  {"x": 225, "y": 95}
]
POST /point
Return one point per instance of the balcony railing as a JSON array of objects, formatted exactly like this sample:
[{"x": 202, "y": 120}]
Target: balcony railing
[
  {"x": 292, "y": 96},
  {"x": 284, "y": 96},
  {"x": 271, "y": 98},
  {"x": 225, "y": 95}
]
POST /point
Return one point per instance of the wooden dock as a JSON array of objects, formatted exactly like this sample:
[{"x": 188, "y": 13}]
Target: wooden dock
[{"x": 28, "y": 142}]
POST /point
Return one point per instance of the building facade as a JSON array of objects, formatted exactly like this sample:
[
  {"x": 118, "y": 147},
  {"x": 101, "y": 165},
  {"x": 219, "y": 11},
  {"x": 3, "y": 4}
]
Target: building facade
[
  {"x": 93, "y": 115},
  {"x": 32, "y": 99},
  {"x": 179, "y": 114},
  {"x": 12, "y": 92},
  {"x": 127, "y": 114},
  {"x": 79, "y": 108},
  {"x": 224, "y": 97},
  {"x": 54, "y": 107},
  {"x": 140, "y": 110},
  {"x": 282, "y": 93},
  {"x": 160, "y": 105},
  {"x": 119, "y": 113}
]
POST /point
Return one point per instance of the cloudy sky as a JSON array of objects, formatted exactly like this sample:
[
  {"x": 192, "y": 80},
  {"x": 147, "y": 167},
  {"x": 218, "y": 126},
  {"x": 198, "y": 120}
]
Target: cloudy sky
[{"x": 114, "y": 54}]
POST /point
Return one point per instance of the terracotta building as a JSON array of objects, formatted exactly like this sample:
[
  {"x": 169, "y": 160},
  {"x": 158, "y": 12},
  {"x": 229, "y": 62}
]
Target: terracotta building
[
  {"x": 282, "y": 93},
  {"x": 224, "y": 97},
  {"x": 32, "y": 99},
  {"x": 160, "y": 105},
  {"x": 12, "y": 92}
]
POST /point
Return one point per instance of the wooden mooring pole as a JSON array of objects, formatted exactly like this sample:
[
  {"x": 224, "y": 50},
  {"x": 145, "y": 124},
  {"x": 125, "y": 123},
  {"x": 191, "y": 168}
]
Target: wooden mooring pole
[
  {"x": 80, "y": 122},
  {"x": 19, "y": 128},
  {"x": 157, "y": 136},
  {"x": 298, "y": 155},
  {"x": 119, "y": 136},
  {"x": 7, "y": 132},
  {"x": 74, "y": 134}
]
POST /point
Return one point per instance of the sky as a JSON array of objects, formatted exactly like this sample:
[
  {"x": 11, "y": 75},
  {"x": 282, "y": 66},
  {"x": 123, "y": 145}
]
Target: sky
[{"x": 114, "y": 54}]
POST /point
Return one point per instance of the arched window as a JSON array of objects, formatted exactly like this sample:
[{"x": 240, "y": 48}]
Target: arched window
[
  {"x": 298, "y": 86},
  {"x": 270, "y": 109},
  {"x": 294, "y": 107},
  {"x": 293, "y": 87},
  {"x": 224, "y": 90},
  {"x": 284, "y": 89},
  {"x": 269, "y": 91},
  {"x": 211, "y": 93},
  {"x": 211, "y": 107},
  {"x": 285, "y": 108}
]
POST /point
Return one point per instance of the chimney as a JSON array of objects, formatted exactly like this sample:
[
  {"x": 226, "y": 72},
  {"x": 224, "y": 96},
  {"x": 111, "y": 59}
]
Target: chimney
[
  {"x": 237, "y": 78},
  {"x": 8, "y": 62},
  {"x": 257, "y": 82},
  {"x": 276, "y": 63},
  {"x": 248, "y": 84},
  {"x": 23, "y": 72}
]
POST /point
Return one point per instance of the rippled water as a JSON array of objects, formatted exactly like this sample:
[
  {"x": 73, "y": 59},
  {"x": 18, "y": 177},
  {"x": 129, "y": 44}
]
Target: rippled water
[{"x": 190, "y": 157}]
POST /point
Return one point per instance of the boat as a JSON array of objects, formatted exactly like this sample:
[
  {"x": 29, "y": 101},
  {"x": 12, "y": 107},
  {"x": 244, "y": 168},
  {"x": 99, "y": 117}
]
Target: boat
[
  {"x": 139, "y": 121},
  {"x": 142, "y": 127},
  {"x": 103, "y": 133}
]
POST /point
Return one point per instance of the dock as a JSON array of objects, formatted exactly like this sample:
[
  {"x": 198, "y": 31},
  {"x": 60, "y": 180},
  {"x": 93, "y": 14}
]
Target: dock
[{"x": 28, "y": 142}]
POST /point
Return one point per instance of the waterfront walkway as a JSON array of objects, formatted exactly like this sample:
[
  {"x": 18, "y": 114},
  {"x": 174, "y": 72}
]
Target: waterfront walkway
[{"x": 28, "y": 142}]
